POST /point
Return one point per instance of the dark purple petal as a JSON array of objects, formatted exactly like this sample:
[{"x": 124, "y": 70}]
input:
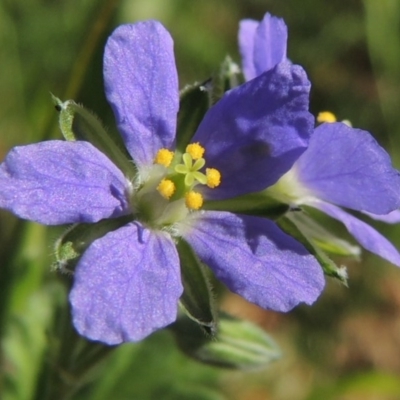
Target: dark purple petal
[
  {"x": 346, "y": 166},
  {"x": 367, "y": 236},
  {"x": 57, "y": 182},
  {"x": 255, "y": 259},
  {"x": 254, "y": 134},
  {"x": 247, "y": 32},
  {"x": 141, "y": 85},
  {"x": 270, "y": 43},
  {"x": 126, "y": 286}
]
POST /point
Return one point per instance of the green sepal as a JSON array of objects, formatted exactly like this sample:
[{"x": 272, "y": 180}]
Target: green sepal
[
  {"x": 197, "y": 299},
  {"x": 65, "y": 119},
  {"x": 77, "y": 238},
  {"x": 251, "y": 204},
  {"x": 229, "y": 76},
  {"x": 308, "y": 223},
  {"x": 195, "y": 100},
  {"x": 329, "y": 266},
  {"x": 238, "y": 344},
  {"x": 77, "y": 123},
  {"x": 334, "y": 248}
]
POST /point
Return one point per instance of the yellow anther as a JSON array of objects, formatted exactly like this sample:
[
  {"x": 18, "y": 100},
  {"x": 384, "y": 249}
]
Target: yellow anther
[
  {"x": 195, "y": 150},
  {"x": 166, "y": 188},
  {"x": 213, "y": 177},
  {"x": 326, "y": 116},
  {"x": 164, "y": 157},
  {"x": 193, "y": 200}
]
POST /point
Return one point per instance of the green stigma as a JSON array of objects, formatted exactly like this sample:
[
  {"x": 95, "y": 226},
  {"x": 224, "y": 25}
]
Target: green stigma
[{"x": 191, "y": 169}]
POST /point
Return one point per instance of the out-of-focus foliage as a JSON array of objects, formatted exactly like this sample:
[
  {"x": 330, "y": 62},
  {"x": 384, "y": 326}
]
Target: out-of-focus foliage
[{"x": 347, "y": 345}]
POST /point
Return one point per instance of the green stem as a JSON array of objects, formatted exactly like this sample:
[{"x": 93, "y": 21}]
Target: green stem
[
  {"x": 71, "y": 362},
  {"x": 10, "y": 250},
  {"x": 87, "y": 50}
]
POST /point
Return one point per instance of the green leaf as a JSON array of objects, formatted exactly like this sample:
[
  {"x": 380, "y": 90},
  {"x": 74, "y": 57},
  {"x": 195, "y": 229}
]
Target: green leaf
[
  {"x": 25, "y": 343},
  {"x": 77, "y": 123},
  {"x": 197, "y": 299},
  {"x": 143, "y": 371}
]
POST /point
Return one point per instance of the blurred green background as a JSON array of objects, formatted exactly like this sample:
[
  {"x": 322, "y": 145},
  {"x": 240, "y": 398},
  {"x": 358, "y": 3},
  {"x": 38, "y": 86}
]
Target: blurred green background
[{"x": 347, "y": 346}]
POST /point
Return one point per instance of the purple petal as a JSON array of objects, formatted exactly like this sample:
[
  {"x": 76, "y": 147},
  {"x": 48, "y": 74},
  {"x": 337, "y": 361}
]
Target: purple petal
[
  {"x": 391, "y": 218},
  {"x": 262, "y": 45},
  {"x": 255, "y": 259},
  {"x": 270, "y": 43},
  {"x": 126, "y": 286},
  {"x": 254, "y": 134},
  {"x": 141, "y": 85},
  {"x": 367, "y": 236},
  {"x": 247, "y": 32},
  {"x": 57, "y": 182},
  {"x": 346, "y": 166}
]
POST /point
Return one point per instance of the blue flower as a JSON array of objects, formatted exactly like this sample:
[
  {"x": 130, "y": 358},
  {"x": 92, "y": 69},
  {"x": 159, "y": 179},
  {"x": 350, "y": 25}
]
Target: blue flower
[
  {"x": 127, "y": 283},
  {"x": 342, "y": 166}
]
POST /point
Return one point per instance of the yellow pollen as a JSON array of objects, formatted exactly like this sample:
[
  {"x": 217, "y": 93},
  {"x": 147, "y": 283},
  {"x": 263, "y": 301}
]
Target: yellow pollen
[
  {"x": 326, "y": 116},
  {"x": 213, "y": 177},
  {"x": 193, "y": 200},
  {"x": 164, "y": 157},
  {"x": 166, "y": 188},
  {"x": 195, "y": 150}
]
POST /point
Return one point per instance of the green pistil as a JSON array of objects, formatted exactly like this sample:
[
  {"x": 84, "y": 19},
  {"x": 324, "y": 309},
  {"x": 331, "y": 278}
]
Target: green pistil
[{"x": 191, "y": 170}]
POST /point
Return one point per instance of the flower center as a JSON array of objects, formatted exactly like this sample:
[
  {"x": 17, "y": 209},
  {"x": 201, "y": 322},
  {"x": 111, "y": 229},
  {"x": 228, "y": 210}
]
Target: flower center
[
  {"x": 191, "y": 170},
  {"x": 173, "y": 186}
]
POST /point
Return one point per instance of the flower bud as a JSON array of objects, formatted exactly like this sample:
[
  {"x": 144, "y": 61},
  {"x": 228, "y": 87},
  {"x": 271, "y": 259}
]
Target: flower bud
[{"x": 238, "y": 344}]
